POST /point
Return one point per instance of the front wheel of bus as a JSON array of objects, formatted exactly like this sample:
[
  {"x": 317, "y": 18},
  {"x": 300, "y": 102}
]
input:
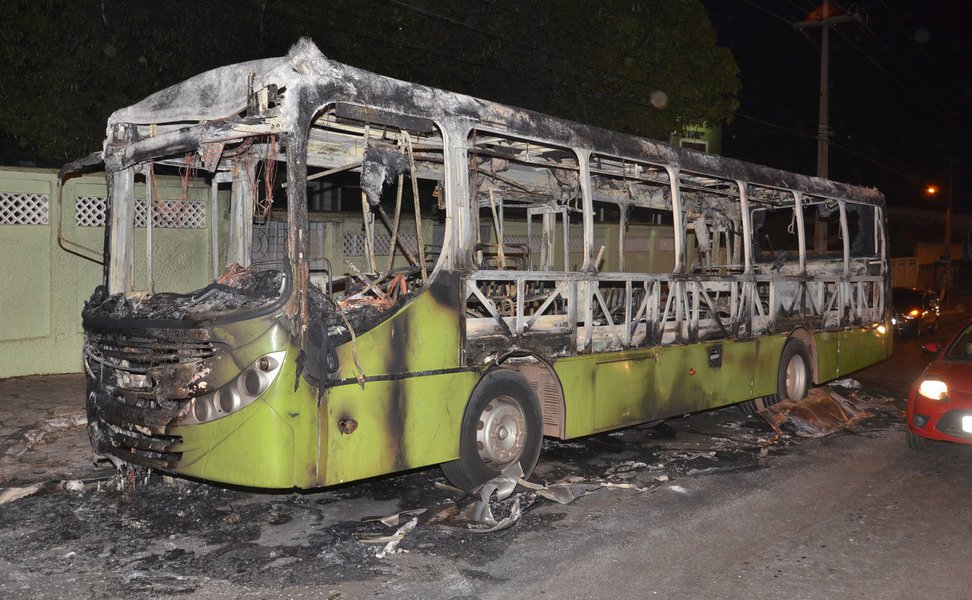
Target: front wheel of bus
[{"x": 502, "y": 425}]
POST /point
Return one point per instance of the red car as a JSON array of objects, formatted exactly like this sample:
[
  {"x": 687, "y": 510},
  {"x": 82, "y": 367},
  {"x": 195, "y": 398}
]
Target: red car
[{"x": 940, "y": 402}]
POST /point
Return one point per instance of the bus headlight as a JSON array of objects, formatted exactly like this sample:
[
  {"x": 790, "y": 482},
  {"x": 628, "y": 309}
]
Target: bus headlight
[
  {"x": 239, "y": 392},
  {"x": 934, "y": 389}
]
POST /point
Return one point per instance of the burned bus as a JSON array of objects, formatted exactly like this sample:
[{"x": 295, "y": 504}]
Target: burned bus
[{"x": 495, "y": 276}]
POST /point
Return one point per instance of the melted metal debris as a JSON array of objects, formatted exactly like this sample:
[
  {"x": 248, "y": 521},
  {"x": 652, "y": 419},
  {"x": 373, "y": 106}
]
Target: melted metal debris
[
  {"x": 481, "y": 510},
  {"x": 821, "y": 413},
  {"x": 237, "y": 289}
]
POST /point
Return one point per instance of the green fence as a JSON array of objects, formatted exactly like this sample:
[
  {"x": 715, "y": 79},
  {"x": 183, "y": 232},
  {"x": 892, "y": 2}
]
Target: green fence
[{"x": 43, "y": 286}]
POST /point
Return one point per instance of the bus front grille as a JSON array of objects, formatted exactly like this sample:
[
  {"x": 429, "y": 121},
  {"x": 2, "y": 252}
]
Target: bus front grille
[{"x": 149, "y": 450}]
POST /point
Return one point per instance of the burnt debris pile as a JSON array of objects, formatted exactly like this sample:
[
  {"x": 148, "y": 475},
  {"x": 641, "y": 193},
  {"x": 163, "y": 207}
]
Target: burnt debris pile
[{"x": 238, "y": 288}]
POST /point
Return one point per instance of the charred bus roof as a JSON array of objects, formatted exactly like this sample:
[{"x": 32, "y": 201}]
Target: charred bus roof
[{"x": 213, "y": 106}]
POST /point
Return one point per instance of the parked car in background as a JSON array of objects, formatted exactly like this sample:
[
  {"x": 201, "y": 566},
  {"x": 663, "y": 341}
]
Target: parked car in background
[
  {"x": 915, "y": 311},
  {"x": 940, "y": 401}
]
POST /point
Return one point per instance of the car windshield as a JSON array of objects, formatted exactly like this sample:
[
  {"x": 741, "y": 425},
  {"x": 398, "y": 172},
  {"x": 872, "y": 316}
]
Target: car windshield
[
  {"x": 905, "y": 298},
  {"x": 961, "y": 349}
]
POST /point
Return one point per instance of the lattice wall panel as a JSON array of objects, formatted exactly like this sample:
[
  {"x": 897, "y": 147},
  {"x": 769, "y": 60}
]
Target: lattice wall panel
[
  {"x": 354, "y": 244},
  {"x": 91, "y": 211},
  {"x": 23, "y": 209},
  {"x": 172, "y": 214},
  {"x": 535, "y": 244},
  {"x": 576, "y": 243}
]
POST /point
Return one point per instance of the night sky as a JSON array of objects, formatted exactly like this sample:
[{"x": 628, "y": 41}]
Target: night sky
[{"x": 901, "y": 85}]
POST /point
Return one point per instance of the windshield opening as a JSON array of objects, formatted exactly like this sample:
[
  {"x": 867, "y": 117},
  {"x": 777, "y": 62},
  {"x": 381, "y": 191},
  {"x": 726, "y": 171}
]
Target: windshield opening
[{"x": 192, "y": 249}]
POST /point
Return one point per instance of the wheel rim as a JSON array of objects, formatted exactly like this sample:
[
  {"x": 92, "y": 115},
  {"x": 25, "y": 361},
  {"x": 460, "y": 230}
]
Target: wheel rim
[
  {"x": 501, "y": 432},
  {"x": 796, "y": 377}
]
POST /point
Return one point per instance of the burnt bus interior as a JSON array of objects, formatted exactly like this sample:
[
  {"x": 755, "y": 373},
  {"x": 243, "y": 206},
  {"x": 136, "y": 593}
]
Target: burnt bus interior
[
  {"x": 573, "y": 252},
  {"x": 660, "y": 257}
]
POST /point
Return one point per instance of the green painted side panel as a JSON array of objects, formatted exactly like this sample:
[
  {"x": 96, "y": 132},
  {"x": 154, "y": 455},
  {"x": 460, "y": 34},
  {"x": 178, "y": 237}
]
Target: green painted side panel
[
  {"x": 630, "y": 402},
  {"x": 767, "y": 364},
  {"x": 576, "y": 374},
  {"x": 842, "y": 352},
  {"x": 862, "y": 346},
  {"x": 401, "y": 424},
  {"x": 271, "y": 443},
  {"x": 611, "y": 390},
  {"x": 423, "y": 336},
  {"x": 678, "y": 390},
  {"x": 827, "y": 344}
]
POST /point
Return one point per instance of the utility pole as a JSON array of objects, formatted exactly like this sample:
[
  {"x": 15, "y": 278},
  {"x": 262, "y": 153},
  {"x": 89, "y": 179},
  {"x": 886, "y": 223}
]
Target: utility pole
[
  {"x": 825, "y": 21},
  {"x": 947, "y": 292},
  {"x": 948, "y": 211}
]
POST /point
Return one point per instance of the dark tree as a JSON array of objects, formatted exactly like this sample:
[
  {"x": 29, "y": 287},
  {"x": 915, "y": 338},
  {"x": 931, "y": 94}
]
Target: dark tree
[{"x": 642, "y": 67}]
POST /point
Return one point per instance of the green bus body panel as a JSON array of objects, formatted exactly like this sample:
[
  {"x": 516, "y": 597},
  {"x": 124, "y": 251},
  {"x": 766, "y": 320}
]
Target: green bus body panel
[
  {"x": 422, "y": 336},
  {"x": 289, "y": 442},
  {"x": 401, "y": 424},
  {"x": 827, "y": 344},
  {"x": 840, "y": 353},
  {"x": 411, "y": 416},
  {"x": 264, "y": 444},
  {"x": 611, "y": 390},
  {"x": 863, "y": 346}
]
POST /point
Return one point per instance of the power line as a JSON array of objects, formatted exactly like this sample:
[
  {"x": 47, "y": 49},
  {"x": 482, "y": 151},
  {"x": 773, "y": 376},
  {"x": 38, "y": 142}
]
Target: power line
[
  {"x": 855, "y": 78},
  {"x": 917, "y": 47},
  {"x": 575, "y": 35},
  {"x": 769, "y": 12},
  {"x": 380, "y": 42},
  {"x": 898, "y": 81},
  {"x": 797, "y": 132},
  {"x": 569, "y": 62}
]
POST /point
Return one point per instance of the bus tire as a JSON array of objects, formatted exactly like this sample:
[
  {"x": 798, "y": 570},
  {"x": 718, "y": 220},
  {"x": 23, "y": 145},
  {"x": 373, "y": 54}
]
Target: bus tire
[
  {"x": 793, "y": 378},
  {"x": 794, "y": 375},
  {"x": 502, "y": 424}
]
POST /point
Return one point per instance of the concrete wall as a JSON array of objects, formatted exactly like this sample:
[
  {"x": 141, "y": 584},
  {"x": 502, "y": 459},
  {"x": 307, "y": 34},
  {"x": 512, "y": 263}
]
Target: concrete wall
[{"x": 43, "y": 287}]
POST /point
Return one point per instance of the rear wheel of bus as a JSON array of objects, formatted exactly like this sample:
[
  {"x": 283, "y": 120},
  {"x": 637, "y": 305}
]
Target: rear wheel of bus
[
  {"x": 793, "y": 378},
  {"x": 502, "y": 425}
]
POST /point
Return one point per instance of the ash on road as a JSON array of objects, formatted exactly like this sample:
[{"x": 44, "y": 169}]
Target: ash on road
[{"x": 716, "y": 504}]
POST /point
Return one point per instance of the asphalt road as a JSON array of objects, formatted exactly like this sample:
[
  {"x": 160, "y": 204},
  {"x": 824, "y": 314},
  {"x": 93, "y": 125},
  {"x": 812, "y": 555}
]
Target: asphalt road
[{"x": 853, "y": 514}]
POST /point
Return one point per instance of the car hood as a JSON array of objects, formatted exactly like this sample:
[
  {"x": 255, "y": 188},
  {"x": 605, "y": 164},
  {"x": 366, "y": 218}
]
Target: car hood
[{"x": 956, "y": 374}]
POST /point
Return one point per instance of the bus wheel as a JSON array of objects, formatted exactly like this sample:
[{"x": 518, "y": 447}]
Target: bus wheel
[
  {"x": 794, "y": 375},
  {"x": 502, "y": 425},
  {"x": 792, "y": 378}
]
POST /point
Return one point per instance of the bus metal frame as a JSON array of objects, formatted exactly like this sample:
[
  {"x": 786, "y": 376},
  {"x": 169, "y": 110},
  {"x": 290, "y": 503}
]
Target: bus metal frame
[{"x": 600, "y": 350}]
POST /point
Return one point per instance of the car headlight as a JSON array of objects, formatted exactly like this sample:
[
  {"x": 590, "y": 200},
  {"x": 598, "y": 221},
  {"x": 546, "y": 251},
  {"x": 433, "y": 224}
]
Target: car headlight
[
  {"x": 934, "y": 389},
  {"x": 239, "y": 392}
]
